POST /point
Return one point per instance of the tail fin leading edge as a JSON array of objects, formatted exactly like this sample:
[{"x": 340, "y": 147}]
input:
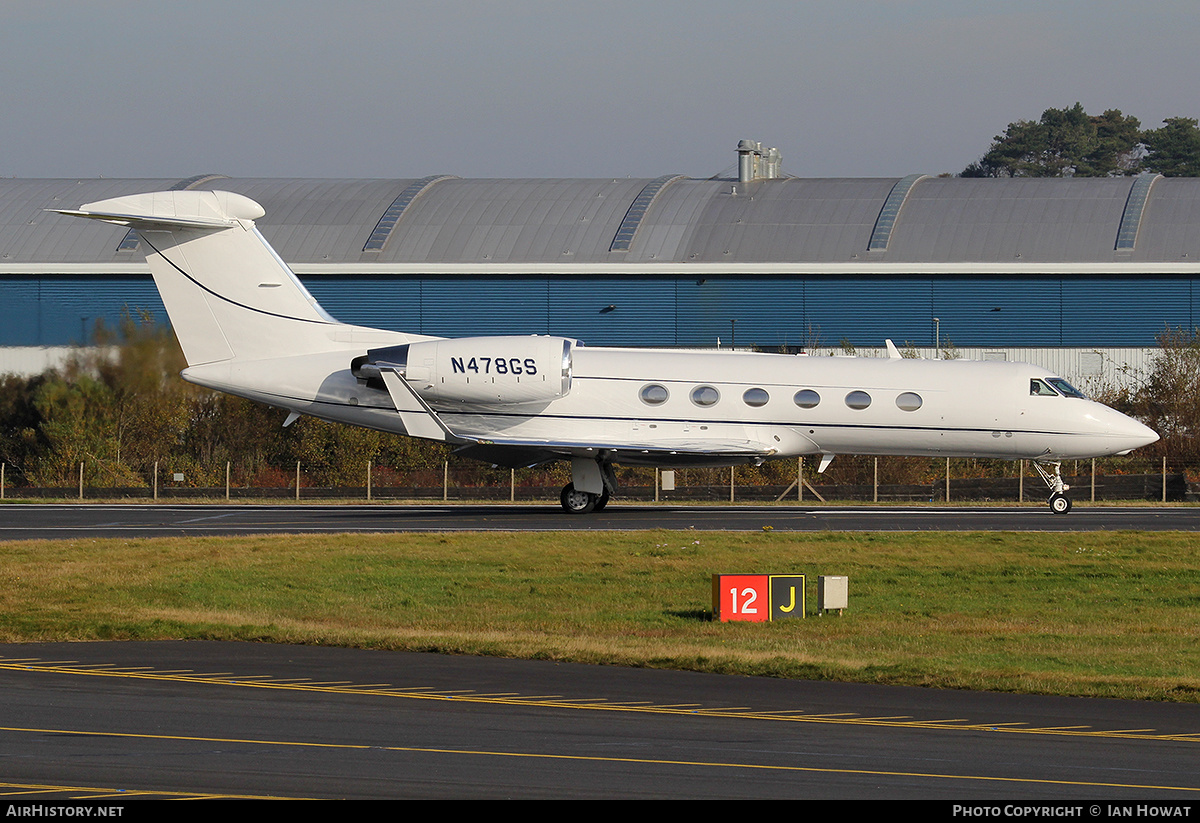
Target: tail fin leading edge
[{"x": 228, "y": 294}]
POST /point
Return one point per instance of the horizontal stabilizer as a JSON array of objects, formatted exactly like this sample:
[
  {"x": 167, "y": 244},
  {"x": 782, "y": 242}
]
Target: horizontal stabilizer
[{"x": 172, "y": 209}]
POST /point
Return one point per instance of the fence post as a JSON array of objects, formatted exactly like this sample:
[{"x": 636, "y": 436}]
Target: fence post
[
  {"x": 445, "y": 481},
  {"x": 731, "y": 484},
  {"x": 3, "y": 466},
  {"x": 947, "y": 479},
  {"x": 1021, "y": 483},
  {"x": 875, "y": 482},
  {"x": 155, "y": 479},
  {"x": 1093, "y": 480},
  {"x": 297, "y": 480},
  {"x": 368, "y": 479},
  {"x": 1164, "y": 479},
  {"x": 512, "y": 485},
  {"x": 800, "y": 479},
  {"x": 226, "y": 479}
]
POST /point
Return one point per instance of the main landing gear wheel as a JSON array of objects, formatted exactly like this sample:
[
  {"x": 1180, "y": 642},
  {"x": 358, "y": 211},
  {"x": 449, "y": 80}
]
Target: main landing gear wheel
[
  {"x": 577, "y": 502},
  {"x": 1060, "y": 503}
]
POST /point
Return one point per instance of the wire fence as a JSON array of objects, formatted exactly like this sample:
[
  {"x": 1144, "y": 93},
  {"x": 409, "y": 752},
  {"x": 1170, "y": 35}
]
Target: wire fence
[{"x": 959, "y": 481}]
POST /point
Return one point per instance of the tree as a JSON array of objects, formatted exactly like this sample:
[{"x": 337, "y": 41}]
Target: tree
[
  {"x": 1119, "y": 148},
  {"x": 1064, "y": 142},
  {"x": 1167, "y": 399},
  {"x": 21, "y": 440},
  {"x": 1174, "y": 149}
]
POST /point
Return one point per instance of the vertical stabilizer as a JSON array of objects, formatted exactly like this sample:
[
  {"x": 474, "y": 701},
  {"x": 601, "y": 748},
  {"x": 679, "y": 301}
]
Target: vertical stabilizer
[{"x": 228, "y": 294}]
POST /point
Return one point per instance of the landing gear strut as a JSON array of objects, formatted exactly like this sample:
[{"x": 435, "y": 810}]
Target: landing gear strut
[{"x": 1059, "y": 502}]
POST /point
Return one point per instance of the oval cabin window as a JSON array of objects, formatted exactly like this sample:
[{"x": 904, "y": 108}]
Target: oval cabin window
[
  {"x": 756, "y": 397},
  {"x": 654, "y": 394},
  {"x": 705, "y": 396},
  {"x": 909, "y": 401},
  {"x": 858, "y": 400},
  {"x": 807, "y": 399}
]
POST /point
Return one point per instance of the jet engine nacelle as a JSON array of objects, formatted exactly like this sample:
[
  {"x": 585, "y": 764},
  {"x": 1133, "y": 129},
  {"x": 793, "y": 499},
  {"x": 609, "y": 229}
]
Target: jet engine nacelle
[{"x": 486, "y": 370}]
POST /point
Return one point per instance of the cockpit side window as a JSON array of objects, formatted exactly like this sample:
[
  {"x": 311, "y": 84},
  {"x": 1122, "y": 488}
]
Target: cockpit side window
[
  {"x": 1041, "y": 388},
  {"x": 1065, "y": 387}
]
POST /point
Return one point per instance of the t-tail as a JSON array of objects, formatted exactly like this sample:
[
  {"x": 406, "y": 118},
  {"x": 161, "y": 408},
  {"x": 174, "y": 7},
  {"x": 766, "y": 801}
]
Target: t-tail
[{"x": 229, "y": 295}]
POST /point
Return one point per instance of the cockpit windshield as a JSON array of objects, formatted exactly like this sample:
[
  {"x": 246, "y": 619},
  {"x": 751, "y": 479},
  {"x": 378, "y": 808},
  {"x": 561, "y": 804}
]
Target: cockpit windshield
[
  {"x": 1065, "y": 387},
  {"x": 1053, "y": 387}
]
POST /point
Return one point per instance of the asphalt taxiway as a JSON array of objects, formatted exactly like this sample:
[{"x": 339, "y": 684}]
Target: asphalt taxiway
[
  {"x": 29, "y": 521},
  {"x": 116, "y": 721}
]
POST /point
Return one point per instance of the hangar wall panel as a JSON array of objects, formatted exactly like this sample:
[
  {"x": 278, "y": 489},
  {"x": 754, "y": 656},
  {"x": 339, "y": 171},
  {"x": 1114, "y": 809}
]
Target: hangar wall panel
[
  {"x": 1124, "y": 315},
  {"x": 998, "y": 311},
  {"x": 62, "y": 310}
]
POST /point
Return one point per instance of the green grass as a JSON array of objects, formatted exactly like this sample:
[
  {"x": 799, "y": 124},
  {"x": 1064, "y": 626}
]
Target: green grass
[{"x": 1113, "y": 614}]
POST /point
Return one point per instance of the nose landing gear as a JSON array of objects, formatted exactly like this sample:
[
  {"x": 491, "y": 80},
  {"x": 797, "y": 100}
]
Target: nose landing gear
[{"x": 1059, "y": 502}]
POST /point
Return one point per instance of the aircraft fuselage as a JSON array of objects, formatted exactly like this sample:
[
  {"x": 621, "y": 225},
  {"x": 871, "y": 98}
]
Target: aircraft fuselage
[{"x": 743, "y": 403}]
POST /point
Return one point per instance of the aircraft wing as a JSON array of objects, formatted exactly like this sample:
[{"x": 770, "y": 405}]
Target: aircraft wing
[
  {"x": 515, "y": 453},
  {"x": 420, "y": 420}
]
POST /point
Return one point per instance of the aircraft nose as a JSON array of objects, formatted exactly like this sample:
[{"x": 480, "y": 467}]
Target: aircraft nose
[{"x": 1129, "y": 433}]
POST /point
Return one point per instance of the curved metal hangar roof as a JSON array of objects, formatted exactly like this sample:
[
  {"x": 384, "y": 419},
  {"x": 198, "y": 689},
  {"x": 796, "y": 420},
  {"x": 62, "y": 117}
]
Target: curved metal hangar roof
[{"x": 922, "y": 223}]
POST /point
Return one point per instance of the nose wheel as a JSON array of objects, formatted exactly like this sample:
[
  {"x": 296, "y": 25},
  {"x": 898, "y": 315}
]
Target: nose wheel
[{"x": 1059, "y": 502}]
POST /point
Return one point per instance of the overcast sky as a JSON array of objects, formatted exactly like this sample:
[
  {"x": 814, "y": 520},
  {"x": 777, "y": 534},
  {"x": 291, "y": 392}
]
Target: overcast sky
[{"x": 525, "y": 88}]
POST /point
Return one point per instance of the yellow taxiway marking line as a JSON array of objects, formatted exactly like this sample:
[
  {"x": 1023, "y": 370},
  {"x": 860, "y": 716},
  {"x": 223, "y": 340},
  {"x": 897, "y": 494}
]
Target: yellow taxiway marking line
[
  {"x": 117, "y": 794},
  {"x": 600, "y": 704},
  {"x": 999, "y": 725},
  {"x": 624, "y": 704},
  {"x": 498, "y": 694},
  {"x": 718, "y": 764}
]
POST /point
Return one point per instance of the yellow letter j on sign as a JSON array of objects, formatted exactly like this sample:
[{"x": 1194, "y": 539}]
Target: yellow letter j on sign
[{"x": 787, "y": 596}]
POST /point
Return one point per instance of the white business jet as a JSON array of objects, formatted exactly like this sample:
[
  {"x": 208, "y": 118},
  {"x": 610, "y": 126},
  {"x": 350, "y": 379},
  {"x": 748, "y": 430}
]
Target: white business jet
[{"x": 249, "y": 327}]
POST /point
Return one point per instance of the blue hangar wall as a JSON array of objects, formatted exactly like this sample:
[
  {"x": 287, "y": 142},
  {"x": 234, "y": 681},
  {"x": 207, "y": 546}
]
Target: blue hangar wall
[
  {"x": 672, "y": 261},
  {"x": 790, "y": 311}
]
